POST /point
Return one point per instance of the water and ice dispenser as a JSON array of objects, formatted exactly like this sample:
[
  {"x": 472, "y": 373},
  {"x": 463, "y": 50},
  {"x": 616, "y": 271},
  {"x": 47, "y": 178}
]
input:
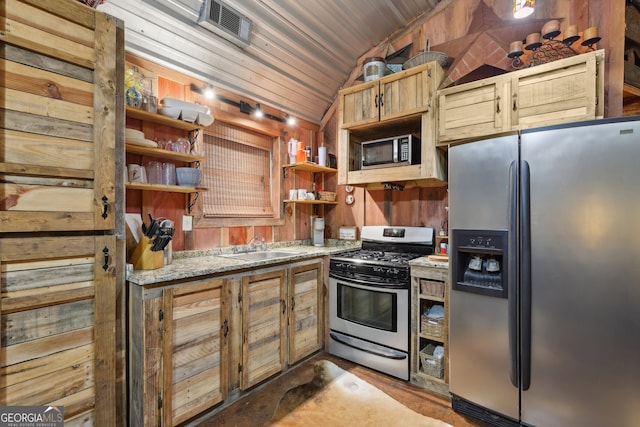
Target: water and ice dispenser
[{"x": 480, "y": 261}]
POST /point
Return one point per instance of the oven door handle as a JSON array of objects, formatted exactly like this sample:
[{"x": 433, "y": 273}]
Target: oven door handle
[
  {"x": 368, "y": 347},
  {"x": 368, "y": 284}
]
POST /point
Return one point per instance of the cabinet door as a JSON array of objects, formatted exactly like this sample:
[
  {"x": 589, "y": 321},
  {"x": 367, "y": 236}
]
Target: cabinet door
[
  {"x": 406, "y": 92},
  {"x": 263, "y": 326},
  {"x": 194, "y": 349},
  {"x": 57, "y": 137},
  {"x": 474, "y": 110},
  {"x": 359, "y": 104},
  {"x": 57, "y": 325},
  {"x": 562, "y": 91},
  {"x": 305, "y": 310}
]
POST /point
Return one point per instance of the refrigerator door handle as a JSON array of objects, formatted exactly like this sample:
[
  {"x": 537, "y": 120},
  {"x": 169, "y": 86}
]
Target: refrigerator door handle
[
  {"x": 512, "y": 278},
  {"x": 525, "y": 273}
]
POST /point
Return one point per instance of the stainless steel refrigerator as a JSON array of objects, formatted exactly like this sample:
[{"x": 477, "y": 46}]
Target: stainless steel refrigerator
[{"x": 545, "y": 276}]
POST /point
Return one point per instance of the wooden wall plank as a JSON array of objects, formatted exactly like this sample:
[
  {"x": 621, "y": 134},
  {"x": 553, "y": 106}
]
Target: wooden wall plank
[
  {"x": 38, "y": 248},
  {"x": 47, "y": 107},
  {"x": 49, "y": 387},
  {"x": 55, "y": 35},
  {"x": 45, "y": 221},
  {"x": 20, "y": 121},
  {"x": 105, "y": 327},
  {"x": 47, "y": 151},
  {"x": 44, "y": 62},
  {"x": 107, "y": 110},
  {"x": 45, "y": 346},
  {"x": 72, "y": 11},
  {"x": 23, "y": 326},
  {"x": 26, "y": 79},
  {"x": 16, "y": 197},
  {"x": 27, "y": 370}
]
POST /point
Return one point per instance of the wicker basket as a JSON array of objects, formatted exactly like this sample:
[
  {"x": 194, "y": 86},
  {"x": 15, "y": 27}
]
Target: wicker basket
[
  {"x": 432, "y": 288},
  {"x": 431, "y": 365},
  {"x": 426, "y": 56},
  {"x": 432, "y": 326},
  {"x": 327, "y": 196}
]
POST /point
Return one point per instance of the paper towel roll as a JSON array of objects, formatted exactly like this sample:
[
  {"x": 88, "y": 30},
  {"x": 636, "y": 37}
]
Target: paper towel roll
[{"x": 322, "y": 156}]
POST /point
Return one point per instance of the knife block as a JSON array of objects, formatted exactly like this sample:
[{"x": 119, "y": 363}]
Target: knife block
[{"x": 143, "y": 258}]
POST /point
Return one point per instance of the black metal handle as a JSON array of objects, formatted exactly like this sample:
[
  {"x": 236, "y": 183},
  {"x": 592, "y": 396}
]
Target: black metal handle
[
  {"x": 381, "y": 100},
  {"x": 283, "y": 303},
  {"x": 105, "y": 252},
  {"x": 515, "y": 103},
  {"x": 512, "y": 275},
  {"x": 498, "y": 104},
  {"x": 226, "y": 328},
  {"x": 105, "y": 206},
  {"x": 293, "y": 303},
  {"x": 375, "y": 101},
  {"x": 525, "y": 273}
]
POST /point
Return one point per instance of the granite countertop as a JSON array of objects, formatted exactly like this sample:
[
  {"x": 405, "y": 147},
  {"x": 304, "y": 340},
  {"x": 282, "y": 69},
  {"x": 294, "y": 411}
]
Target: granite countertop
[
  {"x": 426, "y": 262},
  {"x": 191, "y": 264}
]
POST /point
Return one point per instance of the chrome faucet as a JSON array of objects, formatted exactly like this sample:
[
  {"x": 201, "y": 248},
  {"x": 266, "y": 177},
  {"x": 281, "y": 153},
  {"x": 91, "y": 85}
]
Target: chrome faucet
[{"x": 251, "y": 245}]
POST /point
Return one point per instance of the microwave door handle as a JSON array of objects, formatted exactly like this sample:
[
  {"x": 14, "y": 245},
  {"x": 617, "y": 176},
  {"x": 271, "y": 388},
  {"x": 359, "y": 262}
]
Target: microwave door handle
[{"x": 396, "y": 157}]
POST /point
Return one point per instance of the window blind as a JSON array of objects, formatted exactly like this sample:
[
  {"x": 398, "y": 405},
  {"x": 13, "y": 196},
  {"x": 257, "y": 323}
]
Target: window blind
[{"x": 237, "y": 172}]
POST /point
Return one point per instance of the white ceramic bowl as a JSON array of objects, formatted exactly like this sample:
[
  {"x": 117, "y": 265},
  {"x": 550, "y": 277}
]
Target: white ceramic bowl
[
  {"x": 173, "y": 112},
  {"x": 188, "y": 177},
  {"x": 184, "y": 105},
  {"x": 189, "y": 115},
  {"x": 205, "y": 119}
]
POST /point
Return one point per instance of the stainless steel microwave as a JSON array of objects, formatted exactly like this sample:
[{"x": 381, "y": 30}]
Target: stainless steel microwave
[{"x": 394, "y": 151}]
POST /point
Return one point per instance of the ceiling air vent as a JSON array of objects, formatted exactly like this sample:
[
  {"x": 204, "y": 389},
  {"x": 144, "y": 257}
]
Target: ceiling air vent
[{"x": 226, "y": 22}]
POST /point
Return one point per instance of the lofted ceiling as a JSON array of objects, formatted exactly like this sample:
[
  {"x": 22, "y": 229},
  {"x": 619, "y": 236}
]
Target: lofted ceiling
[{"x": 299, "y": 55}]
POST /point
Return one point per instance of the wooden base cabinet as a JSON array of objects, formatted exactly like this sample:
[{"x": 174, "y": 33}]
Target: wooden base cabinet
[
  {"x": 282, "y": 319},
  {"x": 178, "y": 362},
  {"x": 57, "y": 329},
  {"x": 197, "y": 343},
  {"x": 562, "y": 91},
  {"x": 305, "y": 310},
  {"x": 429, "y": 287},
  {"x": 264, "y": 308}
]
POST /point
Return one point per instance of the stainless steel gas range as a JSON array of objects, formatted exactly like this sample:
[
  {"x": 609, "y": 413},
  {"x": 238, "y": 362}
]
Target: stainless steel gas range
[{"x": 369, "y": 293}]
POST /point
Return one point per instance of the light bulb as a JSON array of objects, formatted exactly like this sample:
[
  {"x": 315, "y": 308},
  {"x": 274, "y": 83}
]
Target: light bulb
[
  {"x": 258, "y": 111},
  {"x": 209, "y": 92}
]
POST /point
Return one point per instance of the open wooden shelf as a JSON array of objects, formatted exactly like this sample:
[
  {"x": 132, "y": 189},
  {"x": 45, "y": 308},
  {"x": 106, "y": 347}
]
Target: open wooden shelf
[
  {"x": 311, "y": 202},
  {"x": 310, "y": 167},
  {"x": 165, "y": 154},
  {"x": 164, "y": 188},
  {"x": 161, "y": 120}
]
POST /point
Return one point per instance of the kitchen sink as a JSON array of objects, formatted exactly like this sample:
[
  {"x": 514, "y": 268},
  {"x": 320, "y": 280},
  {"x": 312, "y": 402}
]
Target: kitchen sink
[{"x": 258, "y": 256}]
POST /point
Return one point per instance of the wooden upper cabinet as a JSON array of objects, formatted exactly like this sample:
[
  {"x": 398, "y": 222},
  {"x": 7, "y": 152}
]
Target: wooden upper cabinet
[
  {"x": 562, "y": 91},
  {"x": 57, "y": 141},
  {"x": 408, "y": 92},
  {"x": 359, "y": 104},
  {"x": 397, "y": 95},
  {"x": 480, "y": 108}
]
